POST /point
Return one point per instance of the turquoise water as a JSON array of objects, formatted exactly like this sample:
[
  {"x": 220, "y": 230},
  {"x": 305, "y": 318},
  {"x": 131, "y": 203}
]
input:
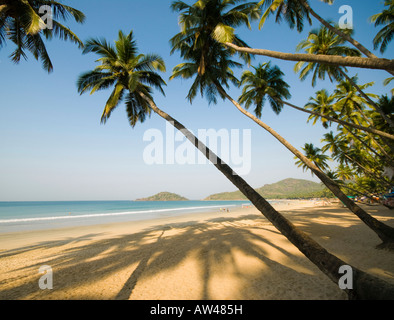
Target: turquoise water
[{"x": 23, "y": 216}]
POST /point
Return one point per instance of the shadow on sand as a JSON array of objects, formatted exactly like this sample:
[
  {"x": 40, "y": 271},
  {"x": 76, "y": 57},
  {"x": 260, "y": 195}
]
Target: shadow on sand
[{"x": 267, "y": 270}]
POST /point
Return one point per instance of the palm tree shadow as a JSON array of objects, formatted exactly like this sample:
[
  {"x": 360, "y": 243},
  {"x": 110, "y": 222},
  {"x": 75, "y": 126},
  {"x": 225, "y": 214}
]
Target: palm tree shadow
[{"x": 215, "y": 244}]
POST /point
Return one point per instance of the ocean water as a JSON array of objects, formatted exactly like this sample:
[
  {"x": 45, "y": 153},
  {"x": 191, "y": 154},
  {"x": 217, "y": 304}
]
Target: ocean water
[{"x": 25, "y": 216}]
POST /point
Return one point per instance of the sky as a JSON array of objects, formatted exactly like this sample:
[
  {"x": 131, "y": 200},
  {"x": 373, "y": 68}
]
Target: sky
[{"x": 54, "y": 148}]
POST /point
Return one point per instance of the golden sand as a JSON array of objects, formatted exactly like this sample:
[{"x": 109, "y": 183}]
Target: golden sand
[{"x": 236, "y": 256}]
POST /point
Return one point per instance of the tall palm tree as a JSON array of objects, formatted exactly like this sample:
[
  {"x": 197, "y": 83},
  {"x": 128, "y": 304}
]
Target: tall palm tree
[
  {"x": 133, "y": 75},
  {"x": 324, "y": 41},
  {"x": 294, "y": 12},
  {"x": 264, "y": 83},
  {"x": 211, "y": 20},
  {"x": 21, "y": 23},
  {"x": 315, "y": 155},
  {"x": 386, "y": 18},
  {"x": 216, "y": 74},
  {"x": 322, "y": 103},
  {"x": 298, "y": 10},
  {"x": 351, "y": 104},
  {"x": 248, "y": 79}
]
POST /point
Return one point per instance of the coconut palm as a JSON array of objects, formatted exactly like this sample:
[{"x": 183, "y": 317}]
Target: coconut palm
[
  {"x": 21, "y": 23},
  {"x": 265, "y": 83},
  {"x": 324, "y": 41},
  {"x": 386, "y": 19},
  {"x": 294, "y": 12},
  {"x": 315, "y": 155},
  {"x": 351, "y": 104},
  {"x": 250, "y": 95},
  {"x": 204, "y": 84},
  {"x": 218, "y": 68},
  {"x": 298, "y": 10},
  {"x": 211, "y": 20},
  {"x": 348, "y": 153},
  {"x": 133, "y": 77},
  {"x": 322, "y": 103}
]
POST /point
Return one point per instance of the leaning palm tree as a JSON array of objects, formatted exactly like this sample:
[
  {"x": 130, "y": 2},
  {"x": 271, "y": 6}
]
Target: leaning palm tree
[
  {"x": 298, "y": 10},
  {"x": 211, "y": 20},
  {"x": 322, "y": 103},
  {"x": 294, "y": 12},
  {"x": 217, "y": 74},
  {"x": 386, "y": 18},
  {"x": 21, "y": 23},
  {"x": 324, "y": 41},
  {"x": 261, "y": 88},
  {"x": 133, "y": 77},
  {"x": 315, "y": 155}
]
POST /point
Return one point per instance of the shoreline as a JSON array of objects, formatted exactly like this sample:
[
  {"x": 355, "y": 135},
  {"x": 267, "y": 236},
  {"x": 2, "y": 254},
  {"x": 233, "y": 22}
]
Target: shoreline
[
  {"x": 8, "y": 239},
  {"x": 200, "y": 256}
]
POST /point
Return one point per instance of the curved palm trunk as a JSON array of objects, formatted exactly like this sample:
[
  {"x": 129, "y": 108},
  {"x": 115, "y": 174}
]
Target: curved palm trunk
[
  {"x": 365, "y": 285},
  {"x": 347, "y": 125},
  {"x": 344, "y": 36},
  {"x": 344, "y": 123},
  {"x": 357, "y": 62},
  {"x": 384, "y": 232}
]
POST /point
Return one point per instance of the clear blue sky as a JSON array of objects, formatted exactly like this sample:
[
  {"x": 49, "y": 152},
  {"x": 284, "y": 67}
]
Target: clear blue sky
[{"x": 53, "y": 146}]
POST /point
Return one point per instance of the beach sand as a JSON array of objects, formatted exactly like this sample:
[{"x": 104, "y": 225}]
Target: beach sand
[{"x": 218, "y": 255}]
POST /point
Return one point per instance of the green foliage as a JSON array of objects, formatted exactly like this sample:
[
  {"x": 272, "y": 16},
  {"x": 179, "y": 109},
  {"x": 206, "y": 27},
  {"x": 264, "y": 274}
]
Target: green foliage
[
  {"x": 21, "y": 23},
  {"x": 285, "y": 189},
  {"x": 266, "y": 82},
  {"x": 386, "y": 19},
  {"x": 131, "y": 74},
  {"x": 164, "y": 196}
]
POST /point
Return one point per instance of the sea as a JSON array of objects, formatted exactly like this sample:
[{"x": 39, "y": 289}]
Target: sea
[{"x": 29, "y": 216}]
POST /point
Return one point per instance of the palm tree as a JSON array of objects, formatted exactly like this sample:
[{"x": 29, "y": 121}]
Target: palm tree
[
  {"x": 386, "y": 18},
  {"x": 315, "y": 155},
  {"x": 249, "y": 80},
  {"x": 324, "y": 41},
  {"x": 265, "y": 82},
  {"x": 211, "y": 20},
  {"x": 133, "y": 75},
  {"x": 218, "y": 70},
  {"x": 353, "y": 156},
  {"x": 203, "y": 83},
  {"x": 294, "y": 11},
  {"x": 21, "y": 23},
  {"x": 351, "y": 106},
  {"x": 322, "y": 103}
]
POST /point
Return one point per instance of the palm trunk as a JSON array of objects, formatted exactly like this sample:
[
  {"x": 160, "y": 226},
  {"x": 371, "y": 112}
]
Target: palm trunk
[
  {"x": 344, "y": 123},
  {"x": 338, "y": 32},
  {"x": 384, "y": 232},
  {"x": 357, "y": 62},
  {"x": 365, "y": 285}
]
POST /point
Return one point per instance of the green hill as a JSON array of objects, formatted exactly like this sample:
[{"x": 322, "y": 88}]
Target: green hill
[
  {"x": 285, "y": 189},
  {"x": 164, "y": 196}
]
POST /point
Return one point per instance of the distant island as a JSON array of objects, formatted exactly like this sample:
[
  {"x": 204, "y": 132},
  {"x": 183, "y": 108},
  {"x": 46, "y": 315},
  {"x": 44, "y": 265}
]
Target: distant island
[
  {"x": 285, "y": 189},
  {"x": 164, "y": 196}
]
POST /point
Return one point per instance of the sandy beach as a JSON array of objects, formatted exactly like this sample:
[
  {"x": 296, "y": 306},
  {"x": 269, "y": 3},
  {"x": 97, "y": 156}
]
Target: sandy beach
[{"x": 218, "y": 255}]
